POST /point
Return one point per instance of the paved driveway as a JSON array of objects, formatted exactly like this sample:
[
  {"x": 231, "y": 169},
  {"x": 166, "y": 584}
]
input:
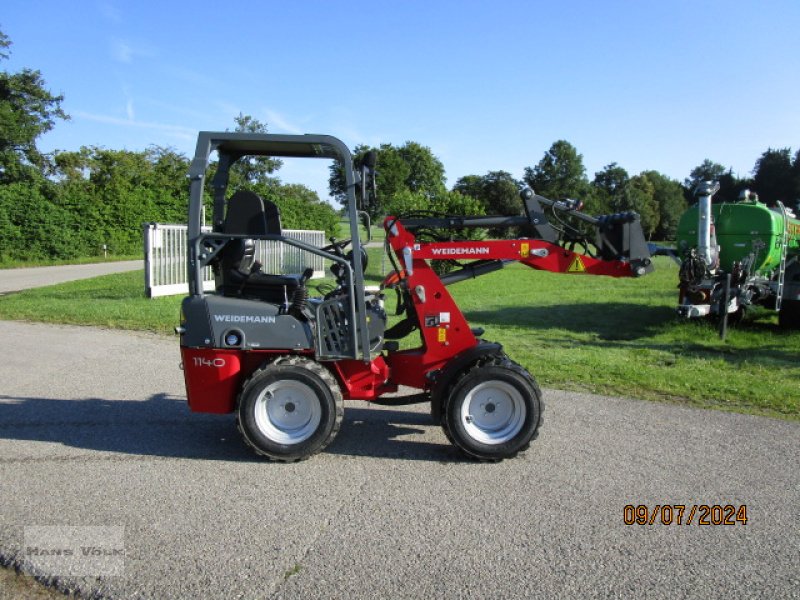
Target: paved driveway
[
  {"x": 14, "y": 280},
  {"x": 94, "y": 432}
]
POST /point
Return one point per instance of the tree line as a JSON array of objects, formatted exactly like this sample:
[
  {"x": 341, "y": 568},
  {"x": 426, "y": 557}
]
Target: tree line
[
  {"x": 70, "y": 204},
  {"x": 411, "y": 178}
]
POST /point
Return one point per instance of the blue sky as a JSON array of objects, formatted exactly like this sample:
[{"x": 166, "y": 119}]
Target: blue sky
[{"x": 486, "y": 85}]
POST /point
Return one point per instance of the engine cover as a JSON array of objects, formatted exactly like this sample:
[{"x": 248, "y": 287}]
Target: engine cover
[{"x": 219, "y": 322}]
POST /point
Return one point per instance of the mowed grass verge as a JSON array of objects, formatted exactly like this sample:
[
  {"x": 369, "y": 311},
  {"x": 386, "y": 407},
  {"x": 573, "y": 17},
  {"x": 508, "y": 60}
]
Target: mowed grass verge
[{"x": 575, "y": 332}]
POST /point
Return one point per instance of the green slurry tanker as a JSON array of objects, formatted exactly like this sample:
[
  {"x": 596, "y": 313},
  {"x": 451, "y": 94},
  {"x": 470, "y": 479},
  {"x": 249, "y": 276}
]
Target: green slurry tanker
[{"x": 737, "y": 255}]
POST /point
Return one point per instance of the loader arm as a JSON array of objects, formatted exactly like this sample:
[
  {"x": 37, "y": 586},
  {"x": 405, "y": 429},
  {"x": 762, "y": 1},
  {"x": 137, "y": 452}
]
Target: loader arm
[{"x": 620, "y": 251}]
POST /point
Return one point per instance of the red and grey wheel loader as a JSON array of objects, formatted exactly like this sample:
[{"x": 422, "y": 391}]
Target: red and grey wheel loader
[{"x": 284, "y": 362}]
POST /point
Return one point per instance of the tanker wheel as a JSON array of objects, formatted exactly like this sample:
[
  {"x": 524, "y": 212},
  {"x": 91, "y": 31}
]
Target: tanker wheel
[
  {"x": 493, "y": 411},
  {"x": 290, "y": 409},
  {"x": 789, "y": 315}
]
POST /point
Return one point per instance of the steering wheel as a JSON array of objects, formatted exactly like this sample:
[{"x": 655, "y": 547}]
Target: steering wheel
[{"x": 337, "y": 247}]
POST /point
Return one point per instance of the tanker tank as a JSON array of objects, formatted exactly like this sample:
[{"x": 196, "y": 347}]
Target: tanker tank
[{"x": 743, "y": 228}]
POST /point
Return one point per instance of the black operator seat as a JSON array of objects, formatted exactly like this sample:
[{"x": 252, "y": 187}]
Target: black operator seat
[{"x": 249, "y": 214}]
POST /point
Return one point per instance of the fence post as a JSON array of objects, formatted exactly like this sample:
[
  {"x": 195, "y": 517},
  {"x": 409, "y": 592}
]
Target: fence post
[{"x": 148, "y": 263}]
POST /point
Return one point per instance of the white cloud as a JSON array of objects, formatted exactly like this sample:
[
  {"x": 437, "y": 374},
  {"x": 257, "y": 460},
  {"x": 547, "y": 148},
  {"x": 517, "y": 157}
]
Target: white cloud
[
  {"x": 110, "y": 12},
  {"x": 125, "y": 51},
  {"x": 228, "y": 109},
  {"x": 190, "y": 76},
  {"x": 277, "y": 121},
  {"x": 122, "y": 52},
  {"x": 202, "y": 116},
  {"x": 176, "y": 131},
  {"x": 353, "y": 136}
]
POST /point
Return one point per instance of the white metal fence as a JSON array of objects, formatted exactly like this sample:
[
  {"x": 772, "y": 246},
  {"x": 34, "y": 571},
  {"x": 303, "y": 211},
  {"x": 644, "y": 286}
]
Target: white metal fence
[{"x": 165, "y": 250}]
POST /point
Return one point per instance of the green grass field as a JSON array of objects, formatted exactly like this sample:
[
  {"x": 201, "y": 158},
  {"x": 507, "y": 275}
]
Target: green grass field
[
  {"x": 612, "y": 336},
  {"x": 377, "y": 231}
]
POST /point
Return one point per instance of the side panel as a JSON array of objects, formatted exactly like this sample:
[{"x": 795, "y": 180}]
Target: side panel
[{"x": 212, "y": 379}]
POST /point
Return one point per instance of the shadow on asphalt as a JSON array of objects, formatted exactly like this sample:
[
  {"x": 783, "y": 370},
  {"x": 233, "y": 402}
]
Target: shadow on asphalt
[
  {"x": 382, "y": 433},
  {"x": 162, "y": 426}
]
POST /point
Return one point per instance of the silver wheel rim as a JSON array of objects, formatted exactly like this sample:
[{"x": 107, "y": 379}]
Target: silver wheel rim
[
  {"x": 493, "y": 412},
  {"x": 288, "y": 412}
]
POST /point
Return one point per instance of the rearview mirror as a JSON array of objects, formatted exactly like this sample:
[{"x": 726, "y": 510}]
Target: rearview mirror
[
  {"x": 368, "y": 171},
  {"x": 366, "y": 222}
]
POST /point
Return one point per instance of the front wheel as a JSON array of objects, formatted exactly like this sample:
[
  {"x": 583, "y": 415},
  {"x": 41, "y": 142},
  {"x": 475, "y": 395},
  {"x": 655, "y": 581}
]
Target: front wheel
[
  {"x": 290, "y": 409},
  {"x": 493, "y": 411}
]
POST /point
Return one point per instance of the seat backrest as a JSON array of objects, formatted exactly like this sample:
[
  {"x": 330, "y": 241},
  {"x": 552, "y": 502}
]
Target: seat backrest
[{"x": 249, "y": 214}]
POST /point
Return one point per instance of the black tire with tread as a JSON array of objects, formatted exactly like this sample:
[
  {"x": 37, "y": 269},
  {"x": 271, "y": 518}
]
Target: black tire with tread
[
  {"x": 312, "y": 374},
  {"x": 477, "y": 372},
  {"x": 789, "y": 315}
]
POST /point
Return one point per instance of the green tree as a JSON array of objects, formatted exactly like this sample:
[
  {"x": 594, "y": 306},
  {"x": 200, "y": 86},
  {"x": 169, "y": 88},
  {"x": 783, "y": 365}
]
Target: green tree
[
  {"x": 607, "y": 189},
  {"x": 120, "y": 199},
  {"x": 168, "y": 179},
  {"x": 252, "y": 170},
  {"x": 410, "y": 167},
  {"x": 32, "y": 222},
  {"x": 425, "y": 171},
  {"x": 639, "y": 195},
  {"x": 110, "y": 193},
  {"x": 498, "y": 193},
  {"x": 669, "y": 198},
  {"x": 27, "y": 110},
  {"x": 469, "y": 185},
  {"x": 33, "y": 226},
  {"x": 336, "y": 182},
  {"x": 708, "y": 170},
  {"x": 301, "y": 208},
  {"x": 729, "y": 184},
  {"x": 559, "y": 174},
  {"x": 773, "y": 177},
  {"x": 450, "y": 203},
  {"x": 795, "y": 202},
  {"x": 447, "y": 202}
]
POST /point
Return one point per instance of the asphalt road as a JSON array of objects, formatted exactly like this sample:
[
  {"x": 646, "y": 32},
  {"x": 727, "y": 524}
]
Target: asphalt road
[
  {"x": 94, "y": 431},
  {"x": 14, "y": 280}
]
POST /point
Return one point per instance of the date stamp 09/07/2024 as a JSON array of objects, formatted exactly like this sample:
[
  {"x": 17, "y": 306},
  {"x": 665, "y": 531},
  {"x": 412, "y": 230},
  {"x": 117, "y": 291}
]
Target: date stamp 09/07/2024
[{"x": 685, "y": 514}]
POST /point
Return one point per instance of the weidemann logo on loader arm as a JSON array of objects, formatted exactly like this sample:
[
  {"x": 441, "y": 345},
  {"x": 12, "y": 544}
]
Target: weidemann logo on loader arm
[
  {"x": 459, "y": 251},
  {"x": 244, "y": 319}
]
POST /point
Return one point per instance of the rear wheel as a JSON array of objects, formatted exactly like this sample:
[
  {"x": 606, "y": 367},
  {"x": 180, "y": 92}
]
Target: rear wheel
[
  {"x": 789, "y": 315},
  {"x": 290, "y": 409},
  {"x": 493, "y": 411}
]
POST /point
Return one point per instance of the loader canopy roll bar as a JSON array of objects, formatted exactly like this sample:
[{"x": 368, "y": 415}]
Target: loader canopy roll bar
[{"x": 232, "y": 146}]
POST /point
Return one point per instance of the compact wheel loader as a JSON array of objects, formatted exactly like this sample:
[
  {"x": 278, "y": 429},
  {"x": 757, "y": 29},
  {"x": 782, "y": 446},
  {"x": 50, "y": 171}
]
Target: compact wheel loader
[{"x": 260, "y": 346}]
